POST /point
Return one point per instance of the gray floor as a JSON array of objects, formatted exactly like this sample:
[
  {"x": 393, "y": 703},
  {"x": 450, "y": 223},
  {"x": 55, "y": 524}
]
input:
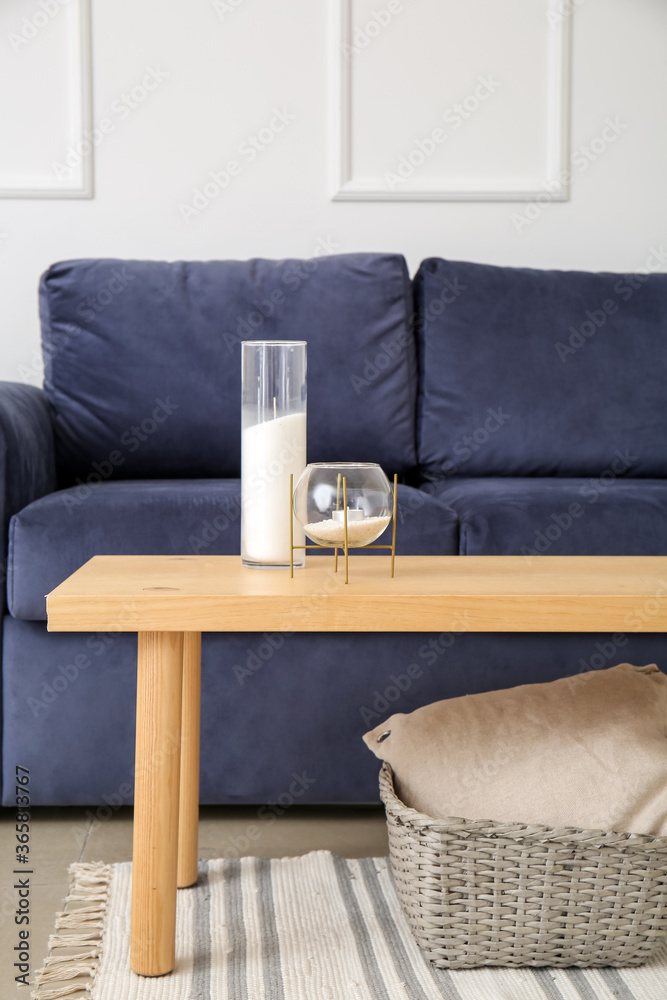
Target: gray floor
[{"x": 60, "y": 836}]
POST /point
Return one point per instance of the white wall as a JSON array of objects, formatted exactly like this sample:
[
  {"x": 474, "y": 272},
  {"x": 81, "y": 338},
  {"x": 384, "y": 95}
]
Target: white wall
[{"x": 229, "y": 68}]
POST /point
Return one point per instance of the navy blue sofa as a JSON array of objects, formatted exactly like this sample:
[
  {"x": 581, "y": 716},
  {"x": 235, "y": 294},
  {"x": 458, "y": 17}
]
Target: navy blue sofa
[{"x": 523, "y": 410}]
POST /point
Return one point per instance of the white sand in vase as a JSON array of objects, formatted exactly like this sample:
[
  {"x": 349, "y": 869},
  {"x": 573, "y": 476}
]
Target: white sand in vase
[{"x": 330, "y": 532}]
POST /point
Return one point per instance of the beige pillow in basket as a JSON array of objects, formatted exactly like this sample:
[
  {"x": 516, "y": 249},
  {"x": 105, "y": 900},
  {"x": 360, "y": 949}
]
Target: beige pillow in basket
[{"x": 588, "y": 751}]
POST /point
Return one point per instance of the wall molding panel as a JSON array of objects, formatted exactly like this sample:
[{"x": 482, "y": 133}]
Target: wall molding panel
[
  {"x": 62, "y": 41},
  {"x": 546, "y": 167}
]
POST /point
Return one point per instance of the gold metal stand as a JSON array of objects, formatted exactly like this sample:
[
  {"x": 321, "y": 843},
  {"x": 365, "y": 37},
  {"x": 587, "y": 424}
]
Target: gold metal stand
[{"x": 342, "y": 480}]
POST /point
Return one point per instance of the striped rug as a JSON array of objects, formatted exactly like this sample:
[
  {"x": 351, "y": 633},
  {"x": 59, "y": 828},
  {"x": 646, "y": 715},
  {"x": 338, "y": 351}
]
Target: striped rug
[{"x": 316, "y": 927}]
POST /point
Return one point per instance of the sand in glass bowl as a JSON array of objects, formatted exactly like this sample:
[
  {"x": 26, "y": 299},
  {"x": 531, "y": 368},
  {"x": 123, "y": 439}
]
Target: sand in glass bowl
[{"x": 332, "y": 532}]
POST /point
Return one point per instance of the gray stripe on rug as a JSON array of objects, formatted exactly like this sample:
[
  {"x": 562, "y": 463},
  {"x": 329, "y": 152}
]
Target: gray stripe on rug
[
  {"x": 374, "y": 977},
  {"x": 274, "y": 988},
  {"x": 402, "y": 961},
  {"x": 546, "y": 981},
  {"x": 582, "y": 984},
  {"x": 617, "y": 984},
  {"x": 444, "y": 982},
  {"x": 201, "y": 936},
  {"x": 237, "y": 986}
]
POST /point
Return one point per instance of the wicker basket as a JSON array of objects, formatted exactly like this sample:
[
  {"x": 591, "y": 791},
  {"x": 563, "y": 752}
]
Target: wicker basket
[{"x": 485, "y": 893}]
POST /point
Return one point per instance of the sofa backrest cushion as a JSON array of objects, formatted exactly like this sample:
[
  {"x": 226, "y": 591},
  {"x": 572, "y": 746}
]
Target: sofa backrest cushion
[
  {"x": 526, "y": 372},
  {"x": 143, "y": 360}
]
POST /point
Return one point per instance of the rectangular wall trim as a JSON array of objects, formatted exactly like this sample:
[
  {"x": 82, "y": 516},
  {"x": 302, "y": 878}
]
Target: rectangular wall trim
[
  {"x": 79, "y": 184},
  {"x": 345, "y": 187}
]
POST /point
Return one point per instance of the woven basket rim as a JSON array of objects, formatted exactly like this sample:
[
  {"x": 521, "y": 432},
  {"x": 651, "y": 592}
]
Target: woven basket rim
[{"x": 494, "y": 828}]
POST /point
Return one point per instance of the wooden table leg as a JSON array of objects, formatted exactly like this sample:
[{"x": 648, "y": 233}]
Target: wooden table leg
[
  {"x": 188, "y": 813},
  {"x": 156, "y": 796}
]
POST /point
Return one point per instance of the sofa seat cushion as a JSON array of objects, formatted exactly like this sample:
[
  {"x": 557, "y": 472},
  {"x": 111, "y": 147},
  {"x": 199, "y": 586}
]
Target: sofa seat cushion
[
  {"x": 55, "y": 535},
  {"x": 559, "y": 517},
  {"x": 540, "y": 373},
  {"x": 143, "y": 359}
]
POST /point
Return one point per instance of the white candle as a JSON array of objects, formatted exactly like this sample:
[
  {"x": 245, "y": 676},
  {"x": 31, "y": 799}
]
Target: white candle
[
  {"x": 352, "y": 515},
  {"x": 270, "y": 451}
]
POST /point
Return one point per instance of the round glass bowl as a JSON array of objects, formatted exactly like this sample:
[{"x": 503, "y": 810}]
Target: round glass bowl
[{"x": 318, "y": 502}]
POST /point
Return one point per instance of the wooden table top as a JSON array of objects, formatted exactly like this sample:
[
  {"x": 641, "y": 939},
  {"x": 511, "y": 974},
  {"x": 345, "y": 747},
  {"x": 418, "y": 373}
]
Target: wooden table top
[{"x": 427, "y": 594}]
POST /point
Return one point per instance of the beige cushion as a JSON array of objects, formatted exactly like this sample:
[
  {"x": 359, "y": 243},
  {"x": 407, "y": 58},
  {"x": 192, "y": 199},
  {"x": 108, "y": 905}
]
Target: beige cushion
[{"x": 588, "y": 751}]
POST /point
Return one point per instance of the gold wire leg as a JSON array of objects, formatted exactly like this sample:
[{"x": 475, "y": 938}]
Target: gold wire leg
[
  {"x": 337, "y": 508},
  {"x": 291, "y": 527},
  {"x": 345, "y": 521},
  {"x": 393, "y": 528}
]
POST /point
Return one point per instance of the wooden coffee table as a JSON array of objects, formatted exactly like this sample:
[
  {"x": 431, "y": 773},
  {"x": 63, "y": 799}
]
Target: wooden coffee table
[{"x": 170, "y": 600}]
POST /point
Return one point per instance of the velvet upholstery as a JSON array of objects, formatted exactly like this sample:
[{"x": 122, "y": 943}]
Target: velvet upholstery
[
  {"x": 540, "y": 373},
  {"x": 51, "y": 538},
  {"x": 304, "y": 708},
  {"x": 142, "y": 398},
  {"x": 143, "y": 360},
  {"x": 558, "y": 517},
  {"x": 27, "y": 461}
]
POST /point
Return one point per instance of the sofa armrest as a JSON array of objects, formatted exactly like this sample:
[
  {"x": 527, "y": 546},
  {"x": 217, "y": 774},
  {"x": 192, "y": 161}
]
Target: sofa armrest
[{"x": 27, "y": 453}]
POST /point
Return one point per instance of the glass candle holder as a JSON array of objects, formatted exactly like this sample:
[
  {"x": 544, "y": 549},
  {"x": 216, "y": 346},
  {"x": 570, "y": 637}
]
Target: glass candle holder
[
  {"x": 273, "y": 446},
  {"x": 319, "y": 499}
]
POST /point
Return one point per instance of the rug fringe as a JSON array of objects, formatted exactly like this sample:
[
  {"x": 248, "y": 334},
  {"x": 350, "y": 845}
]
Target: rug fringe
[
  {"x": 64, "y": 992},
  {"x": 72, "y": 940},
  {"x": 79, "y": 928}
]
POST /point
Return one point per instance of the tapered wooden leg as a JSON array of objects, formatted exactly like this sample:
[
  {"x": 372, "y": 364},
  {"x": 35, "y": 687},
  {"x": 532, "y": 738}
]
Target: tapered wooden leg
[
  {"x": 188, "y": 813},
  {"x": 156, "y": 795}
]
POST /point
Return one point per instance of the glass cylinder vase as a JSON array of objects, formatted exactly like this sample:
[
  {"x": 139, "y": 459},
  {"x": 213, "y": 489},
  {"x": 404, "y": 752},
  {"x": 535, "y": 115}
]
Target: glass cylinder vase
[{"x": 273, "y": 445}]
